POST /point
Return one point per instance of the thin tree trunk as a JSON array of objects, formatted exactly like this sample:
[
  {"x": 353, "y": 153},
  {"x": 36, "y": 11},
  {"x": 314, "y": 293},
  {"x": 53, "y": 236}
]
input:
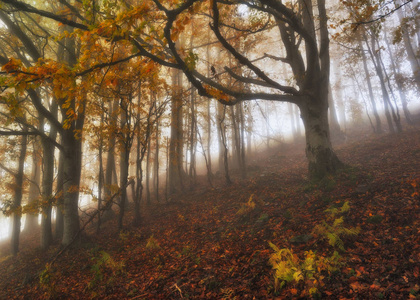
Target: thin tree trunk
[
  {"x": 379, "y": 72},
  {"x": 59, "y": 220},
  {"x": 242, "y": 141},
  {"x": 139, "y": 170},
  {"x": 236, "y": 151},
  {"x": 339, "y": 97},
  {"x": 209, "y": 177},
  {"x": 225, "y": 149},
  {"x": 100, "y": 174},
  {"x": 125, "y": 146},
  {"x": 396, "y": 71},
  {"x": 193, "y": 140},
  {"x": 47, "y": 184},
  {"x": 292, "y": 119},
  {"x": 370, "y": 89},
  {"x": 334, "y": 125},
  {"x": 149, "y": 149},
  {"x": 156, "y": 162},
  {"x": 220, "y": 118},
  {"x": 411, "y": 52},
  {"x": 110, "y": 161},
  {"x": 18, "y": 193},
  {"x": 31, "y": 221}
]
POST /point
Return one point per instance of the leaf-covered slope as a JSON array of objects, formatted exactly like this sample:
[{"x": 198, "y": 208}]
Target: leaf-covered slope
[{"x": 214, "y": 243}]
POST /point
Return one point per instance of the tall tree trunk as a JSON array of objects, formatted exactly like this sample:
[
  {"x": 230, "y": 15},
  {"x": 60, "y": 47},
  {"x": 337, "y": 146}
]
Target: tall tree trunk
[
  {"x": 47, "y": 190},
  {"x": 249, "y": 131},
  {"x": 408, "y": 46},
  {"x": 224, "y": 145},
  {"x": 31, "y": 221},
  {"x": 72, "y": 171},
  {"x": 139, "y": 173},
  {"x": 396, "y": 70},
  {"x": 209, "y": 135},
  {"x": 72, "y": 147},
  {"x": 59, "y": 220},
  {"x": 149, "y": 150},
  {"x": 220, "y": 128},
  {"x": 47, "y": 183},
  {"x": 236, "y": 156},
  {"x": 209, "y": 139},
  {"x": 176, "y": 140},
  {"x": 100, "y": 173},
  {"x": 156, "y": 162},
  {"x": 292, "y": 119},
  {"x": 375, "y": 56},
  {"x": 193, "y": 140},
  {"x": 110, "y": 161},
  {"x": 339, "y": 97},
  {"x": 124, "y": 165},
  {"x": 139, "y": 169},
  {"x": 370, "y": 89},
  {"x": 321, "y": 158},
  {"x": 209, "y": 177},
  {"x": 125, "y": 146},
  {"x": 242, "y": 141},
  {"x": 334, "y": 125},
  {"x": 18, "y": 193}
]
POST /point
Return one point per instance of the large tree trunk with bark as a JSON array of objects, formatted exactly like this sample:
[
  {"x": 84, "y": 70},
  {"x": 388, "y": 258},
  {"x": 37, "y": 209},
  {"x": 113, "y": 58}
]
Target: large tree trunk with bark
[
  {"x": 321, "y": 158},
  {"x": 72, "y": 170},
  {"x": 176, "y": 170}
]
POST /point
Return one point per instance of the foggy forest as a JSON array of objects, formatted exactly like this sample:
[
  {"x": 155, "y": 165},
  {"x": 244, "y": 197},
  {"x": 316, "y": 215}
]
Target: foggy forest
[{"x": 210, "y": 149}]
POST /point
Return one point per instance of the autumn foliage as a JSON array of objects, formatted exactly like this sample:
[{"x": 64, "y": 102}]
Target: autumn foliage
[{"x": 201, "y": 246}]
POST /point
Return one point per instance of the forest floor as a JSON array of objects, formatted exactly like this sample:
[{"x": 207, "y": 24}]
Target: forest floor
[{"x": 213, "y": 243}]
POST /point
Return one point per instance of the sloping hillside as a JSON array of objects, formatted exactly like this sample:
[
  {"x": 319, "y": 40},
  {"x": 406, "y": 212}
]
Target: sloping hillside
[{"x": 214, "y": 243}]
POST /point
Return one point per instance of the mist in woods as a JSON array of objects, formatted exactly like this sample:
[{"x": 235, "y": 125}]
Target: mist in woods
[{"x": 221, "y": 125}]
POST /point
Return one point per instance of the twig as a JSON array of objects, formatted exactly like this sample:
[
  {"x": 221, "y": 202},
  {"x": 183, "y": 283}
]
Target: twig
[{"x": 179, "y": 290}]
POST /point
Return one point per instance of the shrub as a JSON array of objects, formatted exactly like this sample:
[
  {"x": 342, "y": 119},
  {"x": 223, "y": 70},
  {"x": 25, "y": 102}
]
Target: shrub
[
  {"x": 152, "y": 243},
  {"x": 47, "y": 281},
  {"x": 104, "y": 270},
  {"x": 310, "y": 269},
  {"x": 333, "y": 228}
]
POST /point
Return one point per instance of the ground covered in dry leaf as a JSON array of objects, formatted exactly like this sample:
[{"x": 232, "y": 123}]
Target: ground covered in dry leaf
[{"x": 213, "y": 243}]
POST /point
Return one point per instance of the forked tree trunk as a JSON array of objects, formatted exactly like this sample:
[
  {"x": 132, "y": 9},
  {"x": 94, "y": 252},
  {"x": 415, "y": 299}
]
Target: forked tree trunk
[{"x": 378, "y": 128}]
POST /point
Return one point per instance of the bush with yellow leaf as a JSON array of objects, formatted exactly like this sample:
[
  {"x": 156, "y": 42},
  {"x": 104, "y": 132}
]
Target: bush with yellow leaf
[
  {"x": 249, "y": 209},
  {"x": 332, "y": 229},
  {"x": 310, "y": 269}
]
